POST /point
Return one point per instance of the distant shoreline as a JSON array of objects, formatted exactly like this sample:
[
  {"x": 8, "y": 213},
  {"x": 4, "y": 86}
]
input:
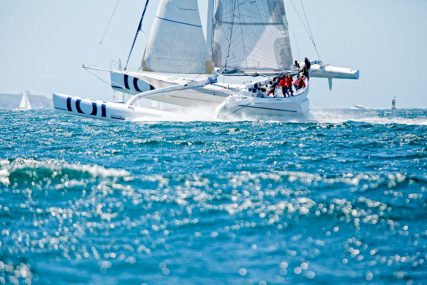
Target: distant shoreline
[{"x": 10, "y": 101}]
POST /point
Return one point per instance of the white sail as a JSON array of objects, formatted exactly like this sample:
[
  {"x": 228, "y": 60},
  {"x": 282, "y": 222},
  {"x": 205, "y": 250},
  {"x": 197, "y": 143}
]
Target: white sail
[
  {"x": 251, "y": 35},
  {"x": 25, "y": 102},
  {"x": 177, "y": 43}
]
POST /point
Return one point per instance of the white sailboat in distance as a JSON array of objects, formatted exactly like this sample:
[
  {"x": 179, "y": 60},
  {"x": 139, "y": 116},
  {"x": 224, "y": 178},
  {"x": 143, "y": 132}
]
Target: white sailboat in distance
[
  {"x": 24, "y": 104},
  {"x": 230, "y": 71}
]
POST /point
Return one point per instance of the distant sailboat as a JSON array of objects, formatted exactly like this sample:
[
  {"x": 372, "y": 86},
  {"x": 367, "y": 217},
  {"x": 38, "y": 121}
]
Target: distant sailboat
[
  {"x": 360, "y": 107},
  {"x": 247, "y": 44},
  {"x": 25, "y": 104}
]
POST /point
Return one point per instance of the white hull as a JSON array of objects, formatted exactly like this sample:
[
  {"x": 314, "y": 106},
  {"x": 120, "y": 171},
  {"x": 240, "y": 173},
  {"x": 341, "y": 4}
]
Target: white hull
[
  {"x": 103, "y": 110},
  {"x": 227, "y": 100},
  {"x": 203, "y": 96},
  {"x": 270, "y": 108},
  {"x": 210, "y": 95}
]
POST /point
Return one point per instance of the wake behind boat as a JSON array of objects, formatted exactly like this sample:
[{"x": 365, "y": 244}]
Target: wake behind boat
[{"x": 244, "y": 48}]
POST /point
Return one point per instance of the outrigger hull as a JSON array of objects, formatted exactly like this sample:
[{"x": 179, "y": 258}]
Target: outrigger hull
[{"x": 102, "y": 110}]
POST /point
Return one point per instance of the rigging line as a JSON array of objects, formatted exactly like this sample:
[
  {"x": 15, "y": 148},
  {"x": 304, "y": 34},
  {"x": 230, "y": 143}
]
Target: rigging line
[
  {"x": 106, "y": 30},
  {"x": 309, "y": 28},
  {"x": 306, "y": 19},
  {"x": 106, "y": 82},
  {"x": 231, "y": 35},
  {"x": 305, "y": 27},
  {"x": 97, "y": 76},
  {"x": 300, "y": 19},
  {"x": 213, "y": 16},
  {"x": 243, "y": 36},
  {"x": 214, "y": 23},
  {"x": 137, "y": 32}
]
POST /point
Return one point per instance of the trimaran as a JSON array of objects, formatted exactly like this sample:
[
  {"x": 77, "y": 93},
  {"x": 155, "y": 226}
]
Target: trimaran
[{"x": 246, "y": 43}]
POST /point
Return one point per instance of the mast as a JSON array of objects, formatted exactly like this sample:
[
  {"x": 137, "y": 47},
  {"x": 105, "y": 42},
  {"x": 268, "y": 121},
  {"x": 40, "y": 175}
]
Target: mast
[
  {"x": 139, "y": 29},
  {"x": 209, "y": 25}
]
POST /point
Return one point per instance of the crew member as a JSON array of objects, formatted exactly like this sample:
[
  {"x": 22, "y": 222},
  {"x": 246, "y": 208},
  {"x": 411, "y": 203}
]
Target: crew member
[
  {"x": 307, "y": 63},
  {"x": 289, "y": 84},
  {"x": 300, "y": 82},
  {"x": 306, "y": 69},
  {"x": 283, "y": 83},
  {"x": 270, "y": 89}
]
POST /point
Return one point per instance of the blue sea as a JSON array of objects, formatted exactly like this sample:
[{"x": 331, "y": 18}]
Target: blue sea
[{"x": 337, "y": 199}]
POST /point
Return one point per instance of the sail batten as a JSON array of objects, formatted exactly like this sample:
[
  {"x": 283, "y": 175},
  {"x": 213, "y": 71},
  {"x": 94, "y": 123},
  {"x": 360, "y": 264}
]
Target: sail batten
[
  {"x": 251, "y": 24},
  {"x": 178, "y": 22}
]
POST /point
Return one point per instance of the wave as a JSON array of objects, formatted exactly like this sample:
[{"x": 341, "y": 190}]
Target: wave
[
  {"x": 287, "y": 192},
  {"x": 20, "y": 171}
]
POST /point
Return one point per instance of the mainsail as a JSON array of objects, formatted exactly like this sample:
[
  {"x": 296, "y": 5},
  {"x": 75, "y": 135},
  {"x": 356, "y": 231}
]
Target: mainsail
[
  {"x": 177, "y": 43},
  {"x": 251, "y": 35}
]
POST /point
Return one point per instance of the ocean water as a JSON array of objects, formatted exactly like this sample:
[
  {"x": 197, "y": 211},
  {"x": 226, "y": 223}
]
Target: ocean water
[{"x": 338, "y": 199}]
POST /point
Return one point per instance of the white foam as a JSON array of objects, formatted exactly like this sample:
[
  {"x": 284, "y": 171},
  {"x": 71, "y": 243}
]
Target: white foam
[
  {"x": 199, "y": 113},
  {"x": 55, "y": 166},
  {"x": 4, "y": 172},
  {"x": 340, "y": 116},
  {"x": 332, "y": 116}
]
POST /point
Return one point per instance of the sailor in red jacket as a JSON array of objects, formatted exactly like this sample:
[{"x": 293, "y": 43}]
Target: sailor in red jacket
[
  {"x": 282, "y": 83},
  {"x": 286, "y": 83},
  {"x": 300, "y": 82},
  {"x": 289, "y": 84}
]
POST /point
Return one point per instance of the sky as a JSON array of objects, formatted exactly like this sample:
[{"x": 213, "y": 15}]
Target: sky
[{"x": 43, "y": 44}]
